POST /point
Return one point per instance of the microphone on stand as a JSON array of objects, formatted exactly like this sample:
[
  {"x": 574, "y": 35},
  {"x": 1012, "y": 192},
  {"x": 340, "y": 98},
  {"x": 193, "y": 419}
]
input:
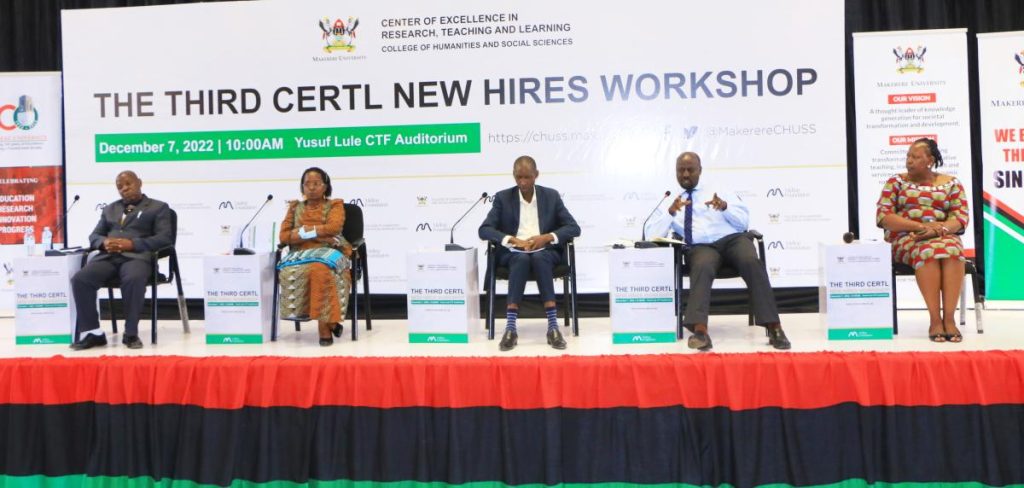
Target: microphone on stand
[
  {"x": 452, "y": 246},
  {"x": 244, "y": 251},
  {"x": 61, "y": 227},
  {"x": 644, "y": 244}
]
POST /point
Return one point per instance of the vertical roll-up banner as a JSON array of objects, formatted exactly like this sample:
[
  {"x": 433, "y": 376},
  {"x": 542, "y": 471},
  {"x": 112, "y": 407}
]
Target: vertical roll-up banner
[
  {"x": 1001, "y": 78},
  {"x": 909, "y": 85},
  {"x": 31, "y": 152}
]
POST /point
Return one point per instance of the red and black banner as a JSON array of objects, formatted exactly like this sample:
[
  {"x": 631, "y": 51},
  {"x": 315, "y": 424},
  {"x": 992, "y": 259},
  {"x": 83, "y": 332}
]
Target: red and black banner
[{"x": 679, "y": 420}]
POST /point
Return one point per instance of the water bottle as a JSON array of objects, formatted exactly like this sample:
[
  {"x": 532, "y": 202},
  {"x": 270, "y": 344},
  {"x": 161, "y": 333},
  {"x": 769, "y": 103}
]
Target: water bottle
[
  {"x": 30, "y": 241},
  {"x": 47, "y": 239}
]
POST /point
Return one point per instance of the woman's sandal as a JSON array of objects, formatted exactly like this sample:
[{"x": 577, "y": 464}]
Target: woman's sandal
[{"x": 940, "y": 337}]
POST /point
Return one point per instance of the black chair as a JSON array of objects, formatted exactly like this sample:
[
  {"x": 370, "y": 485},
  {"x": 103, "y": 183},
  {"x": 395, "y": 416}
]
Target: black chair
[
  {"x": 353, "y": 233},
  {"x": 156, "y": 278},
  {"x": 725, "y": 271},
  {"x": 566, "y": 271},
  {"x": 900, "y": 269}
]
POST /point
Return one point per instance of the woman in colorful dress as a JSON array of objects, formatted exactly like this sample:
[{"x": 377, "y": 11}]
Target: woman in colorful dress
[
  {"x": 923, "y": 212},
  {"x": 315, "y": 274}
]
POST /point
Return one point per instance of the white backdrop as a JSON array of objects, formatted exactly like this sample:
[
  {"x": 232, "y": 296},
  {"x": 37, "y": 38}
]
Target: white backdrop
[{"x": 778, "y": 139}]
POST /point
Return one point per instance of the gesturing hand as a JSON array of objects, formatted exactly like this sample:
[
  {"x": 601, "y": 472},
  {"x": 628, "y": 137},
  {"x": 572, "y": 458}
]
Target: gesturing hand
[
  {"x": 677, "y": 204},
  {"x": 717, "y": 203}
]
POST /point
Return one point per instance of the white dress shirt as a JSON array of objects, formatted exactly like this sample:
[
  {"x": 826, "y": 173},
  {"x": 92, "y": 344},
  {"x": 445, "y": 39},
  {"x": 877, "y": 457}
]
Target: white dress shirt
[
  {"x": 709, "y": 225},
  {"x": 529, "y": 221}
]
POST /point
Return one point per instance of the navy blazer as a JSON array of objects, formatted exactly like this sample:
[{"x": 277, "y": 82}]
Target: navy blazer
[
  {"x": 148, "y": 227},
  {"x": 552, "y": 216}
]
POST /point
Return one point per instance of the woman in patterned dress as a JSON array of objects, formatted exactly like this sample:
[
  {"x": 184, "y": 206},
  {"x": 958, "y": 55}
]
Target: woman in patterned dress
[
  {"x": 922, "y": 212},
  {"x": 315, "y": 276}
]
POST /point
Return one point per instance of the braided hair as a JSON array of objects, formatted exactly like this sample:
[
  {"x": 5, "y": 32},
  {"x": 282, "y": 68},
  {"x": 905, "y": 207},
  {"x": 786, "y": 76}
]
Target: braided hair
[{"x": 933, "y": 149}]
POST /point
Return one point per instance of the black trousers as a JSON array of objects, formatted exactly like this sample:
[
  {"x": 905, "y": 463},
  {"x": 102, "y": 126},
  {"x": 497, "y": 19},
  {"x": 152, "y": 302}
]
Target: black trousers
[
  {"x": 134, "y": 275},
  {"x": 737, "y": 251},
  {"x": 541, "y": 265}
]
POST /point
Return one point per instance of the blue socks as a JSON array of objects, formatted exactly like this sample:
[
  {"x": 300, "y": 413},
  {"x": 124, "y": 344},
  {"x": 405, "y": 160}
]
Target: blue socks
[
  {"x": 511, "y": 315},
  {"x": 552, "y": 314}
]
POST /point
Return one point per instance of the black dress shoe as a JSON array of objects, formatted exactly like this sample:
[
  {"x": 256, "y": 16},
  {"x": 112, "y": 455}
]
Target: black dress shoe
[
  {"x": 699, "y": 341},
  {"x": 337, "y": 330},
  {"x": 508, "y": 340},
  {"x": 132, "y": 341},
  {"x": 89, "y": 341},
  {"x": 555, "y": 339},
  {"x": 777, "y": 338}
]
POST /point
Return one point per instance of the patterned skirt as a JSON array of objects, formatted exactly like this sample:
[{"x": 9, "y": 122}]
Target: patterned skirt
[
  {"x": 914, "y": 253},
  {"x": 312, "y": 289}
]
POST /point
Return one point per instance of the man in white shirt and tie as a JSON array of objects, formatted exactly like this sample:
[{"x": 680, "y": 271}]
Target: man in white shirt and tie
[
  {"x": 529, "y": 222},
  {"x": 713, "y": 223}
]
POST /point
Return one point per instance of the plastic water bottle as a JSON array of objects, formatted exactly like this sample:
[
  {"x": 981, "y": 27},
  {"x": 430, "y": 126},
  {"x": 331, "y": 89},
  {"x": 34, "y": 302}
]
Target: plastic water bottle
[
  {"x": 47, "y": 239},
  {"x": 30, "y": 241}
]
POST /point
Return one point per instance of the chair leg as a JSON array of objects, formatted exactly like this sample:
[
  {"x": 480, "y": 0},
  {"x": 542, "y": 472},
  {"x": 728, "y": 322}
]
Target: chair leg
[
  {"x": 979, "y": 301},
  {"x": 298, "y": 326},
  {"x": 575, "y": 311},
  {"x": 110, "y": 306},
  {"x": 490, "y": 308},
  {"x": 366, "y": 295},
  {"x": 182, "y": 304},
  {"x": 275, "y": 313},
  {"x": 895, "y": 321},
  {"x": 565, "y": 300},
  {"x": 152, "y": 311},
  {"x": 353, "y": 298}
]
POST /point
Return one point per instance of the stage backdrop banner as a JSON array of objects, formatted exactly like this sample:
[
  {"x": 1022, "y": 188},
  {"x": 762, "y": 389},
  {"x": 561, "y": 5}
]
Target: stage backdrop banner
[
  {"x": 1001, "y": 76},
  {"x": 909, "y": 85},
  {"x": 415, "y": 109},
  {"x": 31, "y": 154}
]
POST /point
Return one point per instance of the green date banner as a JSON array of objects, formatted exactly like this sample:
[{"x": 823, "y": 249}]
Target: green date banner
[{"x": 289, "y": 143}]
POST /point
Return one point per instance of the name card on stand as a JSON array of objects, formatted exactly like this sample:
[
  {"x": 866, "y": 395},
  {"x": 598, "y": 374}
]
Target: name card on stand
[
  {"x": 443, "y": 296},
  {"x": 642, "y": 295},
  {"x": 44, "y": 305}
]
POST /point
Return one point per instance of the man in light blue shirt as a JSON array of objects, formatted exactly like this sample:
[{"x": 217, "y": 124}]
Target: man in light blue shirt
[{"x": 713, "y": 222}]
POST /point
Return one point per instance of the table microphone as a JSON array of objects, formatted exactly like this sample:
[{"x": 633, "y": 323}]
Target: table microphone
[
  {"x": 244, "y": 251},
  {"x": 643, "y": 231},
  {"x": 60, "y": 228},
  {"x": 452, "y": 246}
]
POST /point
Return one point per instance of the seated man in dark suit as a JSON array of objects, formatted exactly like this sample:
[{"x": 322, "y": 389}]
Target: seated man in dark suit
[
  {"x": 128, "y": 230},
  {"x": 528, "y": 220},
  {"x": 712, "y": 223}
]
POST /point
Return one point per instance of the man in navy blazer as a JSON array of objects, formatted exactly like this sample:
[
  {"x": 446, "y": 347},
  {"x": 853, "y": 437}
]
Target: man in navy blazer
[
  {"x": 530, "y": 223},
  {"x": 128, "y": 230}
]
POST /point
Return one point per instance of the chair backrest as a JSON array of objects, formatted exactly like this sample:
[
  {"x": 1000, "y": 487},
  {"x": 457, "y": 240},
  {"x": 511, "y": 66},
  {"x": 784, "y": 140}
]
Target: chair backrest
[
  {"x": 174, "y": 227},
  {"x": 353, "y": 228}
]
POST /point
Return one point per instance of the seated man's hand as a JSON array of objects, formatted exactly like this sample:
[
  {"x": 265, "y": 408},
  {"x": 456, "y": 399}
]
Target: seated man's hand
[
  {"x": 717, "y": 203},
  {"x": 676, "y": 205},
  {"x": 117, "y": 245},
  {"x": 538, "y": 242},
  {"x": 519, "y": 243}
]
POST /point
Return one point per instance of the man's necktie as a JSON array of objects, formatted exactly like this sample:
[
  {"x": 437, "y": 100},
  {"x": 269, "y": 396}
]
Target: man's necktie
[{"x": 688, "y": 219}]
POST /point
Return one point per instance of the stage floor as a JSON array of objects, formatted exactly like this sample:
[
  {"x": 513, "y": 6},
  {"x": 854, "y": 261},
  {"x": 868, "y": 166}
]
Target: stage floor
[{"x": 1004, "y": 330}]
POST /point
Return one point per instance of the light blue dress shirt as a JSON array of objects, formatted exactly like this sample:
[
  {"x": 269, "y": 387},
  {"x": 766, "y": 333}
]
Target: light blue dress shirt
[{"x": 709, "y": 225}]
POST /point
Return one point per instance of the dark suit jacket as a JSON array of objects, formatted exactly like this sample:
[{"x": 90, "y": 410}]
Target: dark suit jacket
[
  {"x": 149, "y": 227},
  {"x": 552, "y": 216}
]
